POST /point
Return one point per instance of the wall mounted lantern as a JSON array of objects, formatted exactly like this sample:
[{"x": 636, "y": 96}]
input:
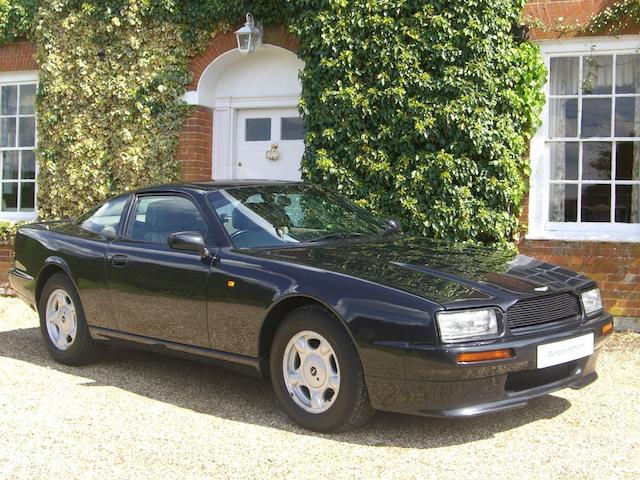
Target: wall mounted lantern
[{"x": 249, "y": 36}]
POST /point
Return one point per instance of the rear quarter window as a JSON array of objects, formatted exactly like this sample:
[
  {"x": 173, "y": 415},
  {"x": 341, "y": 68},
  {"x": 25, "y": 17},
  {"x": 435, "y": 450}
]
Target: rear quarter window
[{"x": 105, "y": 219}]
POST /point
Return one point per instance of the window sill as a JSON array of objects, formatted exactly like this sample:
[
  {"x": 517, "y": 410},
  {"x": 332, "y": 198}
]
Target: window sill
[
  {"x": 17, "y": 217},
  {"x": 584, "y": 236}
]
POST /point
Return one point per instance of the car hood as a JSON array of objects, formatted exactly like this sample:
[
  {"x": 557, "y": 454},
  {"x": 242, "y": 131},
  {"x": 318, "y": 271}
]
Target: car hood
[{"x": 451, "y": 275}]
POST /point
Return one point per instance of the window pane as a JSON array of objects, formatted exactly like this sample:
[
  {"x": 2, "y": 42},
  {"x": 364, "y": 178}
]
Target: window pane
[
  {"x": 596, "y": 161},
  {"x": 596, "y": 117},
  {"x": 291, "y": 128},
  {"x": 27, "y": 137},
  {"x": 628, "y": 73},
  {"x": 564, "y": 160},
  {"x": 563, "y": 117},
  {"x": 27, "y": 196},
  {"x": 597, "y": 73},
  {"x": 28, "y": 167},
  {"x": 628, "y": 161},
  {"x": 627, "y": 120},
  {"x": 257, "y": 129},
  {"x": 7, "y": 132},
  {"x": 157, "y": 217},
  {"x": 563, "y": 205},
  {"x": 9, "y": 196},
  {"x": 8, "y": 99},
  {"x": 563, "y": 75},
  {"x": 596, "y": 203},
  {"x": 27, "y": 99},
  {"x": 106, "y": 218},
  {"x": 10, "y": 165},
  {"x": 628, "y": 203}
]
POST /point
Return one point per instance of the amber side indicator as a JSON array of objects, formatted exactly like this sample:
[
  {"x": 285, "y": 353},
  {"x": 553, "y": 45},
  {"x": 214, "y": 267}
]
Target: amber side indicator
[
  {"x": 607, "y": 328},
  {"x": 484, "y": 356}
]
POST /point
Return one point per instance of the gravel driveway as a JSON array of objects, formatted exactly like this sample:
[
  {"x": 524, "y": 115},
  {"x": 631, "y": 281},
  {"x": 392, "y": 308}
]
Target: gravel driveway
[{"x": 142, "y": 415}]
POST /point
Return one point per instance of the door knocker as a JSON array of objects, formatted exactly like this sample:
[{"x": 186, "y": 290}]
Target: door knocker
[{"x": 273, "y": 154}]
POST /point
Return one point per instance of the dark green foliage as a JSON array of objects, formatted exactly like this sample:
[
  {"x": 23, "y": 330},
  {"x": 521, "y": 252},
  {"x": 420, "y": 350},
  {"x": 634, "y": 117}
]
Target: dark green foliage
[
  {"x": 16, "y": 19},
  {"x": 422, "y": 111}
]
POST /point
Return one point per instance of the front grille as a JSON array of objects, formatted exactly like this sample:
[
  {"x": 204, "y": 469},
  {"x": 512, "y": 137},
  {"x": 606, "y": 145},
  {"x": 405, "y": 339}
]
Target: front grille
[{"x": 530, "y": 313}]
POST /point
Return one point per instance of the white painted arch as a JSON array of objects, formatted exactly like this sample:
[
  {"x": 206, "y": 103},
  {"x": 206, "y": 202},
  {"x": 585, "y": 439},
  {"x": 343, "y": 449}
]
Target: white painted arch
[{"x": 266, "y": 78}]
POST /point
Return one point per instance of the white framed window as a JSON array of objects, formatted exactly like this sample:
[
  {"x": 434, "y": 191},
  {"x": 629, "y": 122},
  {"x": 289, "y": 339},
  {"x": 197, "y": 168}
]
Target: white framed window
[
  {"x": 18, "y": 168},
  {"x": 585, "y": 159}
]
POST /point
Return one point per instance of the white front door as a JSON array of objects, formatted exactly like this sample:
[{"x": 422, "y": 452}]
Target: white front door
[{"x": 269, "y": 144}]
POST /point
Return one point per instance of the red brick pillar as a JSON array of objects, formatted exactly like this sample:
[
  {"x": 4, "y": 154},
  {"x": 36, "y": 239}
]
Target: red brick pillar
[
  {"x": 194, "y": 145},
  {"x": 6, "y": 262}
]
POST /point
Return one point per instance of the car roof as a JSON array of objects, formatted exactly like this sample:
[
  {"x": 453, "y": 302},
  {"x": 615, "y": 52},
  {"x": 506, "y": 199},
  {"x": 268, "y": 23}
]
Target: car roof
[{"x": 213, "y": 185}]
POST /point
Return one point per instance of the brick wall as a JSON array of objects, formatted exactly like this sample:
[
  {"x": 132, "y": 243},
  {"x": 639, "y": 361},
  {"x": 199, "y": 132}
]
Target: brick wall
[
  {"x": 615, "y": 266},
  {"x": 6, "y": 260},
  {"x": 567, "y": 12},
  {"x": 17, "y": 56},
  {"x": 194, "y": 145}
]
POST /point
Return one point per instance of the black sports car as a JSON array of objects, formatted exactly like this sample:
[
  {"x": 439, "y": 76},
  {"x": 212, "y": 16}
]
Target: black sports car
[{"x": 343, "y": 312}]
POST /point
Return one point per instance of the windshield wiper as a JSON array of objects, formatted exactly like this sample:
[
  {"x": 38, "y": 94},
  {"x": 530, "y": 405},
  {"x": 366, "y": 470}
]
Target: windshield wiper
[{"x": 334, "y": 235}]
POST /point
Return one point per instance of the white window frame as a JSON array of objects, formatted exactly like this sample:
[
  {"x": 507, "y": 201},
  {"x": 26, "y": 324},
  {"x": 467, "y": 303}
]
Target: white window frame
[
  {"x": 16, "y": 78},
  {"x": 540, "y": 228}
]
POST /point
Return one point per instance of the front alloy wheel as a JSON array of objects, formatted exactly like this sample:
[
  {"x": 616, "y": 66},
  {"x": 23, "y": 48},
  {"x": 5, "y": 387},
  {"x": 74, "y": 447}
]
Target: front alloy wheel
[
  {"x": 311, "y": 372},
  {"x": 316, "y": 372}
]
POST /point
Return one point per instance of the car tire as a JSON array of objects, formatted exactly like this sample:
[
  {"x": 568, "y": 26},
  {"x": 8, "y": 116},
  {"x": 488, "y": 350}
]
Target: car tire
[
  {"x": 324, "y": 389},
  {"x": 63, "y": 325}
]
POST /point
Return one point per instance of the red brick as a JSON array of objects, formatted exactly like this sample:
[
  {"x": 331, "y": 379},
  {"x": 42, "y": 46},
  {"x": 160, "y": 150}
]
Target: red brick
[
  {"x": 194, "y": 145},
  {"x": 17, "y": 56},
  {"x": 572, "y": 12}
]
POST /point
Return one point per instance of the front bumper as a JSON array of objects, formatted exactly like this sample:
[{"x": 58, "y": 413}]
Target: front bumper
[{"x": 436, "y": 385}]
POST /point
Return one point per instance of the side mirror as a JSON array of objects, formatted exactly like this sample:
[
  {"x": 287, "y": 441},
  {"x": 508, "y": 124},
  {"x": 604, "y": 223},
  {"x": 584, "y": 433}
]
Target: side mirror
[
  {"x": 392, "y": 224},
  {"x": 188, "y": 241}
]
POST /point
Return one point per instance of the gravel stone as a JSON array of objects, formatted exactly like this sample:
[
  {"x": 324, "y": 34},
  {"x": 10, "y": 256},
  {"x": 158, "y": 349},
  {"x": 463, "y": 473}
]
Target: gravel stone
[{"x": 142, "y": 415}]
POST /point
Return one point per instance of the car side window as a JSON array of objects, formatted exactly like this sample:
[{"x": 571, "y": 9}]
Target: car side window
[
  {"x": 158, "y": 216},
  {"x": 105, "y": 220}
]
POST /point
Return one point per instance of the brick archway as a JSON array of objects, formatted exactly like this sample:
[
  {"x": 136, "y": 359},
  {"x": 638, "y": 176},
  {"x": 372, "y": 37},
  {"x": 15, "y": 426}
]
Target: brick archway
[{"x": 195, "y": 142}]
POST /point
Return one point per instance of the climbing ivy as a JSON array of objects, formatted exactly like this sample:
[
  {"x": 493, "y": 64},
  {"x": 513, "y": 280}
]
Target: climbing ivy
[
  {"x": 16, "y": 19},
  {"x": 420, "y": 110},
  {"x": 617, "y": 17},
  {"x": 612, "y": 20}
]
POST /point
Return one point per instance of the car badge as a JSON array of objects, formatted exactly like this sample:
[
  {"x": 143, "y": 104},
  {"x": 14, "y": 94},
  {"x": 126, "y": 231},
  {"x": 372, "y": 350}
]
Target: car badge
[{"x": 541, "y": 289}]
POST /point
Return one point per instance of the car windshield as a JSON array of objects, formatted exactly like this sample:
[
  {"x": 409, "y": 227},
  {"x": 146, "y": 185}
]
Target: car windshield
[{"x": 276, "y": 215}]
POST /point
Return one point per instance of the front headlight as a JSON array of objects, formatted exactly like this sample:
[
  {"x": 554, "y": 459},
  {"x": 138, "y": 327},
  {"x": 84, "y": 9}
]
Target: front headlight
[
  {"x": 591, "y": 300},
  {"x": 464, "y": 324}
]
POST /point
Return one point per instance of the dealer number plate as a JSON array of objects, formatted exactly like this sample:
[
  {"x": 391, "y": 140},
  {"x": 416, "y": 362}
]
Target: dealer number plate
[{"x": 564, "y": 351}]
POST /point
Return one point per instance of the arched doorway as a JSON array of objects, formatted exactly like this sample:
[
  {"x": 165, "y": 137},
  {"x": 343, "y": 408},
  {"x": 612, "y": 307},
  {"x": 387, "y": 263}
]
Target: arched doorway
[{"x": 257, "y": 130}]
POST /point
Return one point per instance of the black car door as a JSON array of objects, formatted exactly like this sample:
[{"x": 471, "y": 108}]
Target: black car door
[{"x": 156, "y": 291}]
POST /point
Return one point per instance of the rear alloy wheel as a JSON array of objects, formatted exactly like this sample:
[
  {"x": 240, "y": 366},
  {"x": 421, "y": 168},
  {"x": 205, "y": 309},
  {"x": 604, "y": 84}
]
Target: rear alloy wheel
[
  {"x": 63, "y": 325},
  {"x": 61, "y": 319},
  {"x": 316, "y": 372}
]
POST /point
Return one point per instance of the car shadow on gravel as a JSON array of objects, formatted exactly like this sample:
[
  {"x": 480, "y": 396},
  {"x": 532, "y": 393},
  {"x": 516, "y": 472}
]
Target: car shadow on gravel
[{"x": 226, "y": 394}]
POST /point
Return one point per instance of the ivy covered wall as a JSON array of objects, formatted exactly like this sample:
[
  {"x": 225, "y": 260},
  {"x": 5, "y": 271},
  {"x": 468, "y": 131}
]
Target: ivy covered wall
[{"x": 420, "y": 110}]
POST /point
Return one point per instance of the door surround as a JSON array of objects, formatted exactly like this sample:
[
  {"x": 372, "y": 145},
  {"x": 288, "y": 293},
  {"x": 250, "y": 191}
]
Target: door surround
[{"x": 266, "y": 78}]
